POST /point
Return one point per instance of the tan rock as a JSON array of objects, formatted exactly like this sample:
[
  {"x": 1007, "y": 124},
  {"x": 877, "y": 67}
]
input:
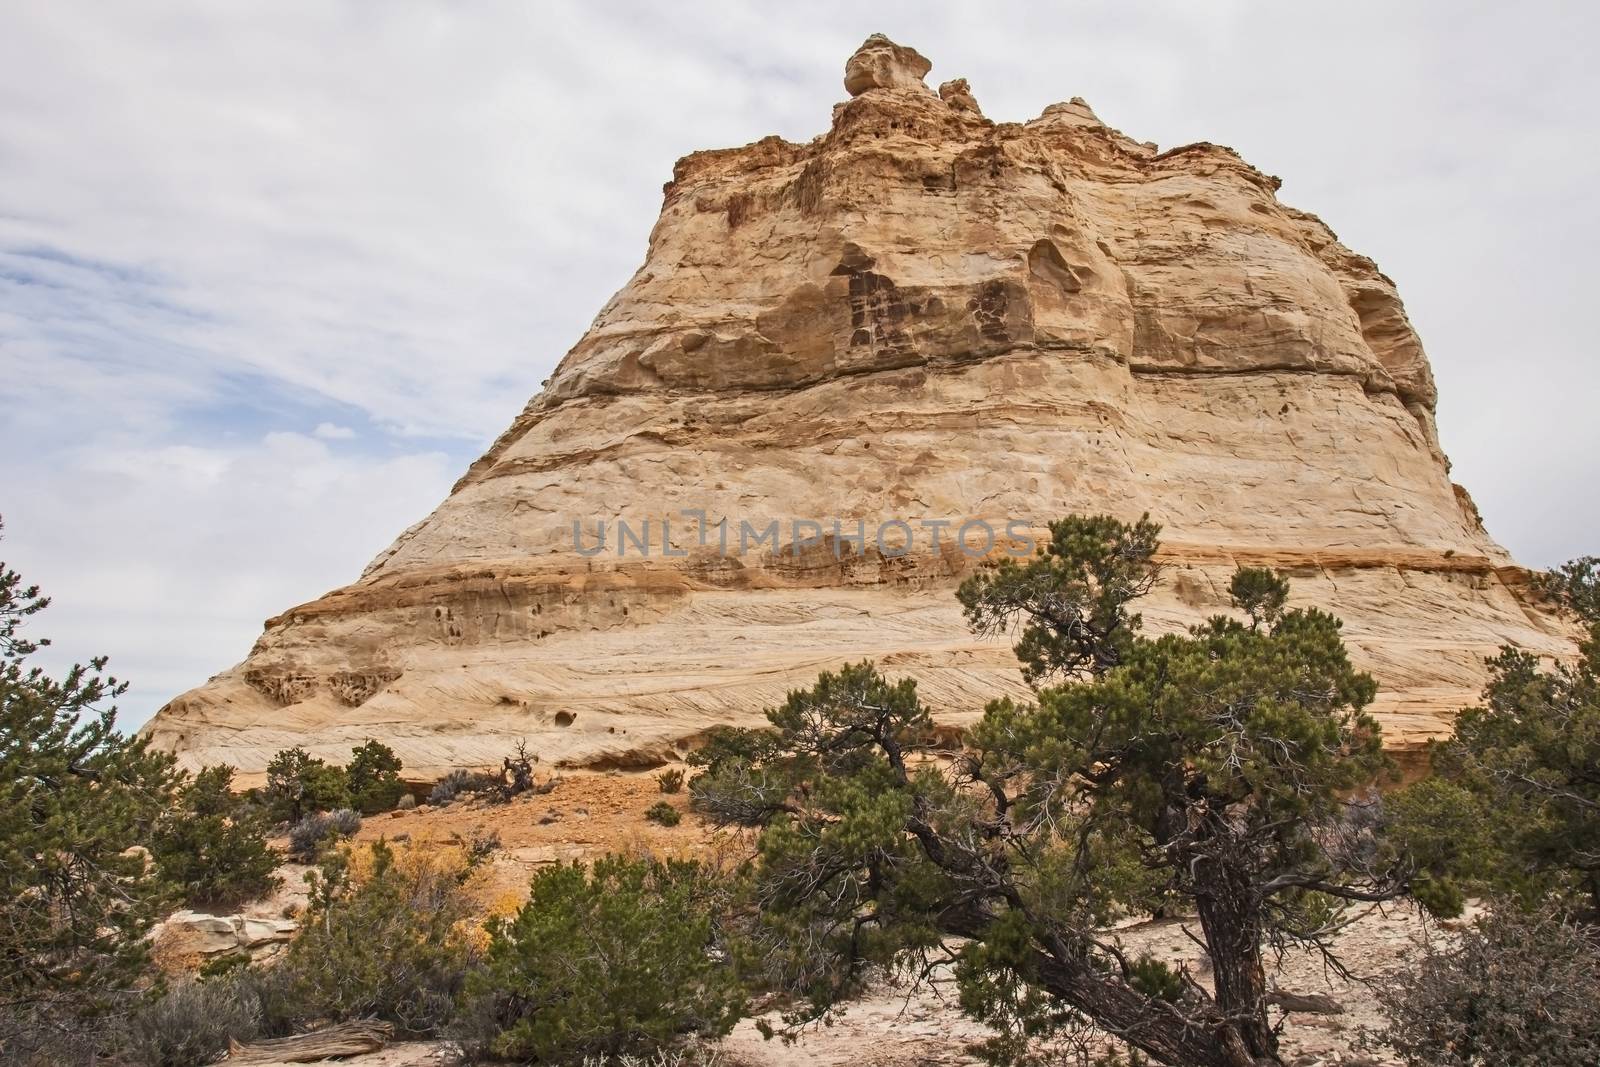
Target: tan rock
[
  {"x": 199, "y": 935},
  {"x": 959, "y": 96},
  {"x": 919, "y": 316},
  {"x": 881, "y": 64}
]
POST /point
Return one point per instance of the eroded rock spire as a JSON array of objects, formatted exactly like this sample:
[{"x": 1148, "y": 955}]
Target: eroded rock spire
[{"x": 881, "y": 64}]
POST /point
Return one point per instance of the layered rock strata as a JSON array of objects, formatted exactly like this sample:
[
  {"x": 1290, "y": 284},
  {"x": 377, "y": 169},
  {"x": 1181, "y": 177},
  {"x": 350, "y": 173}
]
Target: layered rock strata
[{"x": 920, "y": 316}]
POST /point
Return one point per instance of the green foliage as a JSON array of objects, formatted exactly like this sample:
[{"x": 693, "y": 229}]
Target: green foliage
[
  {"x": 384, "y": 936},
  {"x": 1219, "y": 771},
  {"x": 740, "y": 782},
  {"x": 620, "y": 959},
  {"x": 76, "y": 797},
  {"x": 1517, "y": 990},
  {"x": 1576, "y": 587},
  {"x": 670, "y": 780},
  {"x": 1515, "y": 806},
  {"x": 1452, "y": 838},
  {"x": 373, "y": 778},
  {"x": 724, "y": 744},
  {"x": 299, "y": 784},
  {"x": 1260, "y": 593},
  {"x": 663, "y": 814},
  {"x": 1156, "y": 980},
  {"x": 212, "y": 846},
  {"x": 224, "y": 964},
  {"x": 1071, "y": 601}
]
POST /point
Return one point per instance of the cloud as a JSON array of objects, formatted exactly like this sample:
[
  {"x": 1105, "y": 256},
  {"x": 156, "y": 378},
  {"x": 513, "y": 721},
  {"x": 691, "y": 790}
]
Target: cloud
[
  {"x": 169, "y": 557},
  {"x": 329, "y": 432},
  {"x": 221, "y": 224}
]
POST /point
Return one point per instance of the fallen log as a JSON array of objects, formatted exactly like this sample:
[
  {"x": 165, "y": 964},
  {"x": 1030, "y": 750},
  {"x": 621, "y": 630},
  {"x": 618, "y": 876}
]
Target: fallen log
[{"x": 343, "y": 1039}]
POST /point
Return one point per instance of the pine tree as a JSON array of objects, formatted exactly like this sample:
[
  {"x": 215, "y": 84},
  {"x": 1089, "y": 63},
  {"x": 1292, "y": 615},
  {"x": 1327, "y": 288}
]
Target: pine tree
[{"x": 77, "y": 800}]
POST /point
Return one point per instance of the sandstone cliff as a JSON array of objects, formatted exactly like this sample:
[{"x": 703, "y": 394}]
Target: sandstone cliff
[{"x": 919, "y": 315}]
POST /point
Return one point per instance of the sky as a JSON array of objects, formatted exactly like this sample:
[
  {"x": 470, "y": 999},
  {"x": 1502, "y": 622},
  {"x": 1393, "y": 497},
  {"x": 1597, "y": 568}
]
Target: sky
[{"x": 273, "y": 273}]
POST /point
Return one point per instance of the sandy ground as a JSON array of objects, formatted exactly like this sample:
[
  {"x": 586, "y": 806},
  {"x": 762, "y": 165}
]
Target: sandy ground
[
  {"x": 586, "y": 815},
  {"x": 589, "y": 813},
  {"x": 901, "y": 1027}
]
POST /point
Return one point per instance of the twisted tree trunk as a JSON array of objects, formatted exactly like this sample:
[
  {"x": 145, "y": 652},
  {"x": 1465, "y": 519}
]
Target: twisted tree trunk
[
  {"x": 1231, "y": 918},
  {"x": 1177, "y": 1037}
]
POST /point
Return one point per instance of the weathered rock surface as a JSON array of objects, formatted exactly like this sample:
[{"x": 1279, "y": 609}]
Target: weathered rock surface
[
  {"x": 881, "y": 64},
  {"x": 198, "y": 935},
  {"x": 920, "y": 315}
]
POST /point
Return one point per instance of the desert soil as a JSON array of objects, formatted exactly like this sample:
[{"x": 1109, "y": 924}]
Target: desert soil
[{"x": 588, "y": 814}]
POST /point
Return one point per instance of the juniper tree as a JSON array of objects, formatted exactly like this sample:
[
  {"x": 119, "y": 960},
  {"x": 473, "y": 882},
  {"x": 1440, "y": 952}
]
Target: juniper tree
[
  {"x": 1208, "y": 771},
  {"x": 300, "y": 784},
  {"x": 373, "y": 778}
]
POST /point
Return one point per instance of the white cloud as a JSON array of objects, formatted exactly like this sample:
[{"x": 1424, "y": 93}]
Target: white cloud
[
  {"x": 169, "y": 558},
  {"x": 220, "y": 224}
]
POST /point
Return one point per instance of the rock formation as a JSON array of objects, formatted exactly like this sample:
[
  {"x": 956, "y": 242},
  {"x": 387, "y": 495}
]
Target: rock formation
[
  {"x": 919, "y": 317},
  {"x": 190, "y": 936}
]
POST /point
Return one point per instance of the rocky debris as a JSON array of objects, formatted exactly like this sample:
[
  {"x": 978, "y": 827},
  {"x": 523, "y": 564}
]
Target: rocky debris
[
  {"x": 881, "y": 64},
  {"x": 919, "y": 317}
]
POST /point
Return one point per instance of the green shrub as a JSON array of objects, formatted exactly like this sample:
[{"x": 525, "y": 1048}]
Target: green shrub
[
  {"x": 373, "y": 777},
  {"x": 212, "y": 846},
  {"x": 387, "y": 934},
  {"x": 619, "y": 960},
  {"x": 299, "y": 784},
  {"x": 670, "y": 780},
  {"x": 727, "y": 743},
  {"x": 663, "y": 814}
]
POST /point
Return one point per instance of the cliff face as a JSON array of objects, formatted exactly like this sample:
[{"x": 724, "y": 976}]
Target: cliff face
[{"x": 922, "y": 316}]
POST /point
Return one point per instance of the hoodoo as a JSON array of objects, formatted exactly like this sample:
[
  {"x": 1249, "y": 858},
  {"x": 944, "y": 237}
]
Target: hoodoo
[{"x": 845, "y": 369}]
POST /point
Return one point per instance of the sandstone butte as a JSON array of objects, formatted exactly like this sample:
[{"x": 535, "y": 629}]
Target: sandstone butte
[{"x": 920, "y": 314}]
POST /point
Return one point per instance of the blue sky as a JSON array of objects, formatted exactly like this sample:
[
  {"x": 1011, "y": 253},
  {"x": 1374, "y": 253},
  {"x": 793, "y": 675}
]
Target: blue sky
[{"x": 272, "y": 274}]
